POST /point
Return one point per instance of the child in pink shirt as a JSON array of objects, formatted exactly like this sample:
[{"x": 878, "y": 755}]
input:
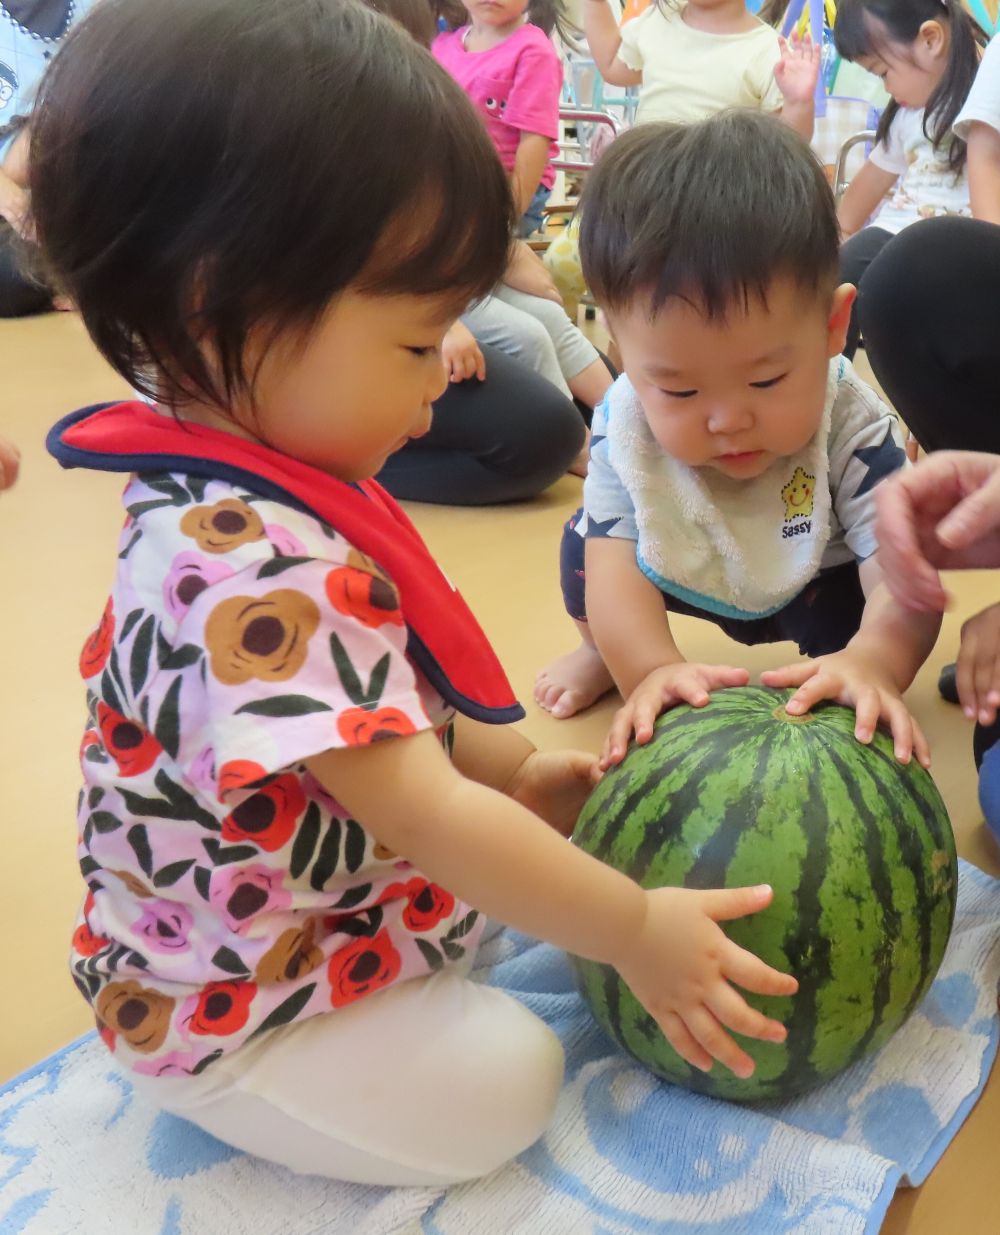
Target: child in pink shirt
[{"x": 511, "y": 71}]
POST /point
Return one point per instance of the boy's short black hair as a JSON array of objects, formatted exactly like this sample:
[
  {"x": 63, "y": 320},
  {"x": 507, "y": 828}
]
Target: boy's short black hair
[
  {"x": 710, "y": 212},
  {"x": 202, "y": 168}
]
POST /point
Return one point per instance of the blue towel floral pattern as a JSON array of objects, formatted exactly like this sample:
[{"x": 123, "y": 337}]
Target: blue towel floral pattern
[{"x": 227, "y": 892}]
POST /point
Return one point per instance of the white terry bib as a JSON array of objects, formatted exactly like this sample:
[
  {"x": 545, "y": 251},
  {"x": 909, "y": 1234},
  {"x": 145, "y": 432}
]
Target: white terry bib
[{"x": 739, "y": 548}]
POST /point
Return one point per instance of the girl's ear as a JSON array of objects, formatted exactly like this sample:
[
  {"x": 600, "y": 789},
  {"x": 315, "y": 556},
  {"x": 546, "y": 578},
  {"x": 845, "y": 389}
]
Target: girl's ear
[
  {"x": 840, "y": 318},
  {"x": 931, "y": 39}
]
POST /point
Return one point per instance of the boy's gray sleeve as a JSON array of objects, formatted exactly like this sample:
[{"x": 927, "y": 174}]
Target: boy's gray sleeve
[
  {"x": 866, "y": 445},
  {"x": 607, "y": 507}
]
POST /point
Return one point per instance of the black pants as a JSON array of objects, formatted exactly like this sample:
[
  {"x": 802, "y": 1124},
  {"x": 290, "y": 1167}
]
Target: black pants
[
  {"x": 856, "y": 255},
  {"x": 501, "y": 440},
  {"x": 822, "y": 619},
  {"x": 930, "y": 313},
  {"x": 929, "y": 309},
  {"x": 19, "y": 295}
]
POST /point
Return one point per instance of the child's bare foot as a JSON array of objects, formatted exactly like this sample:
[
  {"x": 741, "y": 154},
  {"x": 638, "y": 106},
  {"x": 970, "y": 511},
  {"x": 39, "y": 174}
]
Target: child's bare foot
[{"x": 573, "y": 682}]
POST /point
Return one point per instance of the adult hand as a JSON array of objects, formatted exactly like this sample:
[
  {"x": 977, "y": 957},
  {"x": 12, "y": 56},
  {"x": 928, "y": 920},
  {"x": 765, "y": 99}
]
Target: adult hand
[
  {"x": 461, "y": 355},
  {"x": 977, "y": 672},
  {"x": 943, "y": 514}
]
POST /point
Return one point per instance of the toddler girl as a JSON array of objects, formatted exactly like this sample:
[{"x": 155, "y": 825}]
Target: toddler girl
[
  {"x": 927, "y": 53},
  {"x": 288, "y": 838},
  {"x": 692, "y": 60},
  {"x": 699, "y": 57},
  {"x": 506, "y": 63}
]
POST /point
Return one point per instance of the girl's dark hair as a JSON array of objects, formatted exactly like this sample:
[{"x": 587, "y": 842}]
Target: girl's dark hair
[
  {"x": 871, "y": 27},
  {"x": 201, "y": 169},
  {"x": 712, "y": 213}
]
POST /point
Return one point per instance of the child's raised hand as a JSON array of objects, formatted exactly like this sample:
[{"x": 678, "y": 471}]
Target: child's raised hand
[
  {"x": 849, "y": 678},
  {"x": 10, "y": 462},
  {"x": 798, "y": 69},
  {"x": 659, "y": 690},
  {"x": 461, "y": 356},
  {"x": 977, "y": 672},
  {"x": 681, "y": 967},
  {"x": 555, "y": 785}
]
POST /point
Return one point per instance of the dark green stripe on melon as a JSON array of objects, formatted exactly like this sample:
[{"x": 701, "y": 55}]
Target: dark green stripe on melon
[{"x": 858, "y": 849}]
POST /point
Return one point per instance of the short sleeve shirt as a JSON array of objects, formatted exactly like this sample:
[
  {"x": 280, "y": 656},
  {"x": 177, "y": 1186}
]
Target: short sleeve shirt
[
  {"x": 515, "y": 87},
  {"x": 689, "y": 75},
  {"x": 983, "y": 102},
  {"x": 229, "y": 893},
  {"x": 927, "y": 187}
]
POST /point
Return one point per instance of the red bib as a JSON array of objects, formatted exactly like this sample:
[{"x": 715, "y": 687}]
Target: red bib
[{"x": 443, "y": 638}]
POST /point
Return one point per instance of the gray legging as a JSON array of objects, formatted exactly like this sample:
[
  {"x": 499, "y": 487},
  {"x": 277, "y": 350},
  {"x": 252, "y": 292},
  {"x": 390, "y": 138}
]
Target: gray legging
[{"x": 501, "y": 440}]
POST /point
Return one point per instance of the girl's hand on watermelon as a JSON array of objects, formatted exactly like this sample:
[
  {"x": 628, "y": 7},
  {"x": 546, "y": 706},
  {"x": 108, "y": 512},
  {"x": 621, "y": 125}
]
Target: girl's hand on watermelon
[
  {"x": 663, "y": 688},
  {"x": 681, "y": 968},
  {"x": 856, "y": 682},
  {"x": 555, "y": 785},
  {"x": 977, "y": 673}
]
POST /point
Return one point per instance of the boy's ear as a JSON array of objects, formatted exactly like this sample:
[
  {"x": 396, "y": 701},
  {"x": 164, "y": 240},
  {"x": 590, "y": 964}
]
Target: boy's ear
[{"x": 840, "y": 318}]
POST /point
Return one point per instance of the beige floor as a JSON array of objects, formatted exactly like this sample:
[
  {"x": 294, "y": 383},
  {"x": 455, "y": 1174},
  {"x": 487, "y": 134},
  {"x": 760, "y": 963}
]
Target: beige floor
[{"x": 57, "y": 533}]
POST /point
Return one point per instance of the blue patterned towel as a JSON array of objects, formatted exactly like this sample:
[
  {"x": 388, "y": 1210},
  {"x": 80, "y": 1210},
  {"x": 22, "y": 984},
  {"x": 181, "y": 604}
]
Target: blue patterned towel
[{"x": 626, "y": 1154}]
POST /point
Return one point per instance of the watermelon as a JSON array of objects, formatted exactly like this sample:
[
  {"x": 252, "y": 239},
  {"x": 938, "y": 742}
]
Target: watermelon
[{"x": 857, "y": 847}]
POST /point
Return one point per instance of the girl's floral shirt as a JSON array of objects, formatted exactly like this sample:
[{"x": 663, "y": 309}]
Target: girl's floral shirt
[{"x": 228, "y": 892}]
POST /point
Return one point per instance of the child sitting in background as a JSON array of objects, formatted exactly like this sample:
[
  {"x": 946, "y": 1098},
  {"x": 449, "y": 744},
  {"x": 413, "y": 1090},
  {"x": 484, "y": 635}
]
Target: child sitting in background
[
  {"x": 506, "y": 63},
  {"x": 288, "y": 841},
  {"x": 733, "y": 464},
  {"x": 926, "y": 52},
  {"x": 692, "y": 60}
]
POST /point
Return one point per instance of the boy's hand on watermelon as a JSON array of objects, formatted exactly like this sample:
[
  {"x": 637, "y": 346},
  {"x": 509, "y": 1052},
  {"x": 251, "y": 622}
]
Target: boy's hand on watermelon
[
  {"x": 682, "y": 967},
  {"x": 663, "y": 688},
  {"x": 849, "y": 678},
  {"x": 977, "y": 672},
  {"x": 555, "y": 785}
]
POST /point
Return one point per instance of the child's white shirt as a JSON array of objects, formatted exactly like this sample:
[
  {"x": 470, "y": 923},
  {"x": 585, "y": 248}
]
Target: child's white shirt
[
  {"x": 983, "y": 103},
  {"x": 927, "y": 187},
  {"x": 689, "y": 75},
  {"x": 745, "y": 548}
]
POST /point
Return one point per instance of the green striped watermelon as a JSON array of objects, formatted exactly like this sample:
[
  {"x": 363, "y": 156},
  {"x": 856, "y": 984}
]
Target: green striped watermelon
[{"x": 859, "y": 851}]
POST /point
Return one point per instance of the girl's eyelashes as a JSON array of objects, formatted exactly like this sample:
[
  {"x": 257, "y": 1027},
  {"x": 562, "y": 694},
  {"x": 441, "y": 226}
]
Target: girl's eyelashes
[
  {"x": 679, "y": 394},
  {"x": 423, "y": 351},
  {"x": 769, "y": 382}
]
